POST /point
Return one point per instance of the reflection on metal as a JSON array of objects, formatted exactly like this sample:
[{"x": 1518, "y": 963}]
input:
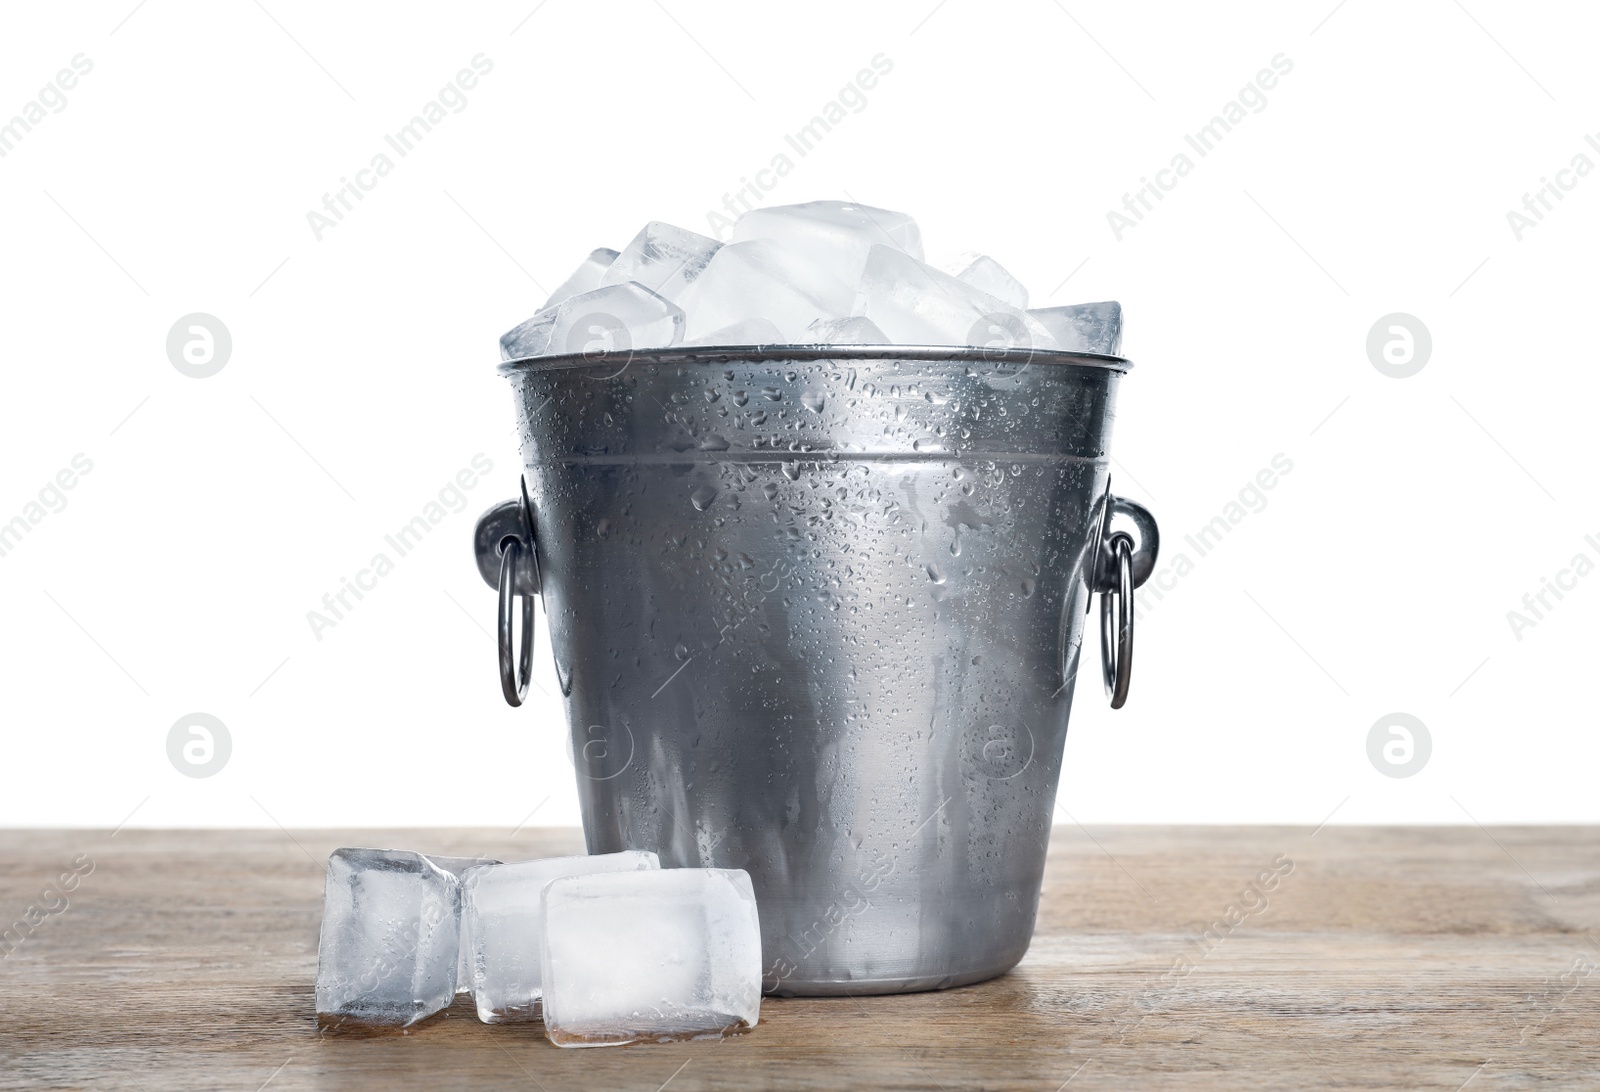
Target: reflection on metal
[{"x": 832, "y": 599}]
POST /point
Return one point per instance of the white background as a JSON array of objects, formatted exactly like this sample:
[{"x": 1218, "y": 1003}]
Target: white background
[{"x": 1377, "y": 179}]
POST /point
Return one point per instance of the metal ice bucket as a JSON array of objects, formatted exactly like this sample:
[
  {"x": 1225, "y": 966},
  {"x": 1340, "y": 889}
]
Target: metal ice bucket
[{"x": 816, "y": 613}]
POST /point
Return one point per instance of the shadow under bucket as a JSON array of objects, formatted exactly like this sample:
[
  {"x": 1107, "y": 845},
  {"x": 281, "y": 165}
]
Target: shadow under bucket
[{"x": 816, "y": 614}]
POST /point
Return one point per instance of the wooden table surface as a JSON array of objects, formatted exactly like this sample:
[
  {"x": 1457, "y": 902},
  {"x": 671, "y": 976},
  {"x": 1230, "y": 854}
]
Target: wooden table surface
[{"x": 1386, "y": 958}]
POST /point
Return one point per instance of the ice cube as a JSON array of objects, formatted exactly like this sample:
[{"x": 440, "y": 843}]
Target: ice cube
[
  {"x": 666, "y": 955},
  {"x": 586, "y": 278},
  {"x": 663, "y": 258},
  {"x": 755, "y": 331},
  {"x": 915, "y": 304},
  {"x": 502, "y": 902},
  {"x": 616, "y": 317},
  {"x": 1085, "y": 327},
  {"x": 391, "y": 926},
  {"x": 760, "y": 279},
  {"x": 834, "y": 234},
  {"x": 457, "y": 866},
  {"x": 855, "y": 330},
  {"x": 987, "y": 275}
]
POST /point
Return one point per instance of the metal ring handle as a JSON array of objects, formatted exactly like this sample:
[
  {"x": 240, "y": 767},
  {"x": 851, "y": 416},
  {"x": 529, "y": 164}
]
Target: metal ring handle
[
  {"x": 1116, "y": 667},
  {"x": 514, "y": 680}
]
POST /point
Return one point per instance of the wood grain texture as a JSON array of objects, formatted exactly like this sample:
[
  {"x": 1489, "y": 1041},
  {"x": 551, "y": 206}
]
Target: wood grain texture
[{"x": 1386, "y": 958}]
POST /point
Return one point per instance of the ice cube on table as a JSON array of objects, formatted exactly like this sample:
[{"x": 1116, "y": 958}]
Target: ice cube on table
[
  {"x": 663, "y": 258},
  {"x": 653, "y": 956},
  {"x": 855, "y": 330},
  {"x": 613, "y": 318},
  {"x": 586, "y": 278},
  {"x": 391, "y": 929},
  {"x": 755, "y": 331},
  {"x": 915, "y": 304},
  {"x": 987, "y": 275},
  {"x": 502, "y": 903},
  {"x": 760, "y": 279},
  {"x": 1085, "y": 327},
  {"x": 457, "y": 866},
  {"x": 836, "y": 235}
]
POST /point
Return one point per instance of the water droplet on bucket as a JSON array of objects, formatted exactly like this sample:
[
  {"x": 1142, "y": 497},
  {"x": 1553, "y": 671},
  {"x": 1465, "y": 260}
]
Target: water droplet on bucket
[
  {"x": 771, "y": 394},
  {"x": 702, "y": 497},
  {"x": 791, "y": 471},
  {"x": 814, "y": 400},
  {"x": 771, "y": 490},
  {"x": 935, "y": 575}
]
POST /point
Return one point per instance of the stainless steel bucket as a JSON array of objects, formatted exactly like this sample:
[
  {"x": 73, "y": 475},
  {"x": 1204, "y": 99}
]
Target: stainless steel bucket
[{"x": 816, "y": 613}]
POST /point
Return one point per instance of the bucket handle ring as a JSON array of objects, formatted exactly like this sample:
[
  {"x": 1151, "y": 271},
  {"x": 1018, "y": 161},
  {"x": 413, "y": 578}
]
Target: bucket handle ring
[
  {"x": 1116, "y": 651},
  {"x": 508, "y": 560},
  {"x": 513, "y": 681},
  {"x": 1123, "y": 561}
]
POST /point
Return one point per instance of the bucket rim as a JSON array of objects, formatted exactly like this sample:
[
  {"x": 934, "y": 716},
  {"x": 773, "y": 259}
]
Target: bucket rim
[{"x": 723, "y": 354}]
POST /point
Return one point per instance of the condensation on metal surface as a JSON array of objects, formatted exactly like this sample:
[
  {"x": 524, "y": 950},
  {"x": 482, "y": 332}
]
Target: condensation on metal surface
[{"x": 818, "y": 617}]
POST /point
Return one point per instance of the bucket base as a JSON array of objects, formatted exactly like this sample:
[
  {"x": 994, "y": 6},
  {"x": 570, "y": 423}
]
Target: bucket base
[{"x": 867, "y": 987}]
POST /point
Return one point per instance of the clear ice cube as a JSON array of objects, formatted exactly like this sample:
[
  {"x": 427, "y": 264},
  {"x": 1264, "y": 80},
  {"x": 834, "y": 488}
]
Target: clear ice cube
[
  {"x": 760, "y": 279},
  {"x": 613, "y": 318},
  {"x": 755, "y": 331},
  {"x": 987, "y": 275},
  {"x": 855, "y": 330},
  {"x": 915, "y": 304},
  {"x": 502, "y": 902},
  {"x": 655, "y": 956},
  {"x": 1085, "y": 327},
  {"x": 457, "y": 867},
  {"x": 663, "y": 258},
  {"x": 835, "y": 235},
  {"x": 586, "y": 278},
  {"x": 391, "y": 929}
]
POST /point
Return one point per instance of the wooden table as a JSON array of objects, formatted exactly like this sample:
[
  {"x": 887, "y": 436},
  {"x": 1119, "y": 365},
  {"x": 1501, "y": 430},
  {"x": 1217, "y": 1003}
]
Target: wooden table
[{"x": 1386, "y": 958}]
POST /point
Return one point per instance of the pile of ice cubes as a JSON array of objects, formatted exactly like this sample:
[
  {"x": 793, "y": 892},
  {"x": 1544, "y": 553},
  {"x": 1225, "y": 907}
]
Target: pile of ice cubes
[
  {"x": 821, "y": 273},
  {"x": 606, "y": 949}
]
